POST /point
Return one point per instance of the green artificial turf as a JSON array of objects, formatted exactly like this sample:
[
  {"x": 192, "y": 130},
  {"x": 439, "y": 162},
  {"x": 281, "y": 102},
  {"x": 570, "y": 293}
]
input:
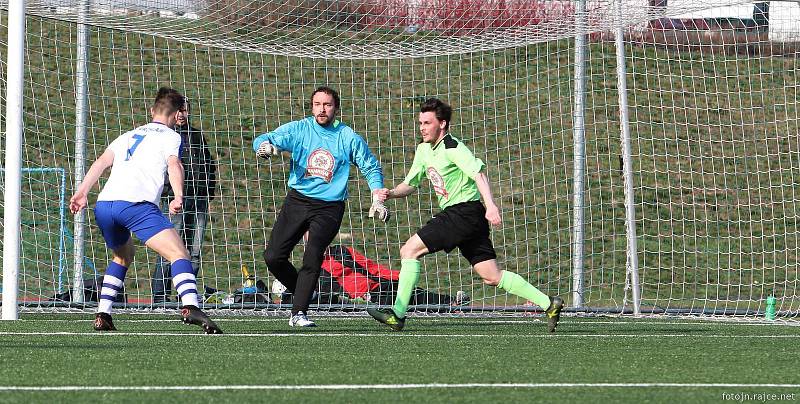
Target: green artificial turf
[{"x": 354, "y": 359}]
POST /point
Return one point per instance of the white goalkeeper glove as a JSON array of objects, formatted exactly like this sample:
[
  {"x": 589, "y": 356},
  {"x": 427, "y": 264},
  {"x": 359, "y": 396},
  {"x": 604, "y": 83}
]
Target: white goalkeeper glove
[
  {"x": 378, "y": 210},
  {"x": 267, "y": 150}
]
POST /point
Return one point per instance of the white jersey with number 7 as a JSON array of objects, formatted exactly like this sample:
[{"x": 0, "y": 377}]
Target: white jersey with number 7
[{"x": 140, "y": 163}]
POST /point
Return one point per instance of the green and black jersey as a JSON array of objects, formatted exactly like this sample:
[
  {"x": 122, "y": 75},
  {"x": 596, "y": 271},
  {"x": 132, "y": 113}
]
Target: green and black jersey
[{"x": 451, "y": 167}]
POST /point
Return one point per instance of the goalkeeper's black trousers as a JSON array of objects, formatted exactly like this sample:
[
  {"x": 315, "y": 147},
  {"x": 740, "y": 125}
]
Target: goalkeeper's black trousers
[{"x": 299, "y": 214}]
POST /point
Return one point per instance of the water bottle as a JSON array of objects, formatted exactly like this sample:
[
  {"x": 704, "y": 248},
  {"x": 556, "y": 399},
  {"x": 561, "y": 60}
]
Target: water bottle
[{"x": 769, "y": 313}]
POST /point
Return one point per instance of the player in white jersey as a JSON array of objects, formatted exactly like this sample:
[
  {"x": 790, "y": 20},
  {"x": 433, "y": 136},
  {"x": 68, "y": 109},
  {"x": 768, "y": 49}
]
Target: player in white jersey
[{"x": 129, "y": 203}]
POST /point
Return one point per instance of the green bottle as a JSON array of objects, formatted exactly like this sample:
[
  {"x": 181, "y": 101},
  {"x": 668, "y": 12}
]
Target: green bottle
[{"x": 769, "y": 313}]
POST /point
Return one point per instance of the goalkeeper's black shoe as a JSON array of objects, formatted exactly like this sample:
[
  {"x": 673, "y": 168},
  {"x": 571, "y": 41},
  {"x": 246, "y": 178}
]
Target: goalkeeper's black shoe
[
  {"x": 102, "y": 322},
  {"x": 193, "y": 315},
  {"x": 554, "y": 313},
  {"x": 387, "y": 316}
]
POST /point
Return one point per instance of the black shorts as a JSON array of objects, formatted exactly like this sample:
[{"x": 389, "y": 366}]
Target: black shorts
[{"x": 463, "y": 225}]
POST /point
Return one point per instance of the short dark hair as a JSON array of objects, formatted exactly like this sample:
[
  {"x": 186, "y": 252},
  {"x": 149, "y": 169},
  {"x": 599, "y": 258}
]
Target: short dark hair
[
  {"x": 329, "y": 91},
  {"x": 443, "y": 111},
  {"x": 168, "y": 101}
]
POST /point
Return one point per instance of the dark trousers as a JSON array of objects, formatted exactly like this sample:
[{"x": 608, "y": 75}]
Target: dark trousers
[
  {"x": 191, "y": 226},
  {"x": 299, "y": 214}
]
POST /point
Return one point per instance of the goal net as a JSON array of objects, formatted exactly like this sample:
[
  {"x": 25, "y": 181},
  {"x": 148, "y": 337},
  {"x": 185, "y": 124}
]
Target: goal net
[
  {"x": 44, "y": 261},
  {"x": 712, "y": 92}
]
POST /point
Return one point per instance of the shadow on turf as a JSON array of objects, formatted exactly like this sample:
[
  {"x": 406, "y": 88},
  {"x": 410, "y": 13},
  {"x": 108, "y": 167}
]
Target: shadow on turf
[{"x": 539, "y": 327}]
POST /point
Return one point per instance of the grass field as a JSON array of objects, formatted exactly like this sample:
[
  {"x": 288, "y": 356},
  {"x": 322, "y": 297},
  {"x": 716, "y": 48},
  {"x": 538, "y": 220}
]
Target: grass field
[
  {"x": 715, "y": 159},
  {"x": 58, "y": 358},
  {"x": 715, "y": 165}
]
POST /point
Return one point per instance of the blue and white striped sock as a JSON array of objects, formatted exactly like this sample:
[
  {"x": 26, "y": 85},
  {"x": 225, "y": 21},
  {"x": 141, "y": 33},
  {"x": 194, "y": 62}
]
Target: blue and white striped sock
[
  {"x": 112, "y": 284},
  {"x": 184, "y": 282}
]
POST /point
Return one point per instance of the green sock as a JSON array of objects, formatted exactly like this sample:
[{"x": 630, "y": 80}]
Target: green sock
[
  {"x": 514, "y": 284},
  {"x": 409, "y": 276}
]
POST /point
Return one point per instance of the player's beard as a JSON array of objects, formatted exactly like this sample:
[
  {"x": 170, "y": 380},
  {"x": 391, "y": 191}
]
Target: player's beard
[{"x": 323, "y": 120}]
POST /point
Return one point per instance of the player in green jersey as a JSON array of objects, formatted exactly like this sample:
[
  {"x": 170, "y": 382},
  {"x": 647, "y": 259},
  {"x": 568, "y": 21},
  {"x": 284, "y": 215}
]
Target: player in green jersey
[{"x": 459, "y": 181}]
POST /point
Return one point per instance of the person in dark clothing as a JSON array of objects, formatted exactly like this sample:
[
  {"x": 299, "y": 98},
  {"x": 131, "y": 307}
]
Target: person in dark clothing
[{"x": 200, "y": 185}]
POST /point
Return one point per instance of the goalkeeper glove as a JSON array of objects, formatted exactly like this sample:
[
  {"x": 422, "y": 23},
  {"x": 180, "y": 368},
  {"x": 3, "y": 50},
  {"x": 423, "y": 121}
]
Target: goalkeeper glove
[
  {"x": 378, "y": 210},
  {"x": 266, "y": 150}
]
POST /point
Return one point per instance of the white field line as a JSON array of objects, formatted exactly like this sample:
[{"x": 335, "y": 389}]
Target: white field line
[
  {"x": 307, "y": 334},
  {"x": 172, "y": 318},
  {"x": 399, "y": 386}
]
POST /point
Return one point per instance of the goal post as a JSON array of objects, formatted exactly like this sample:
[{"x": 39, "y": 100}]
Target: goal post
[
  {"x": 81, "y": 114},
  {"x": 635, "y": 139},
  {"x": 13, "y": 155}
]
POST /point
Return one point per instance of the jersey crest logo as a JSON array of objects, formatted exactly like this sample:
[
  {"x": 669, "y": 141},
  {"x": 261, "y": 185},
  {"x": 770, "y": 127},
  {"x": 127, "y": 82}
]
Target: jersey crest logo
[
  {"x": 320, "y": 164},
  {"x": 437, "y": 181}
]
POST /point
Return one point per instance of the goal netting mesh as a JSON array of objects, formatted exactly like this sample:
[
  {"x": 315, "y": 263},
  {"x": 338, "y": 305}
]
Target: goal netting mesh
[{"x": 713, "y": 103}]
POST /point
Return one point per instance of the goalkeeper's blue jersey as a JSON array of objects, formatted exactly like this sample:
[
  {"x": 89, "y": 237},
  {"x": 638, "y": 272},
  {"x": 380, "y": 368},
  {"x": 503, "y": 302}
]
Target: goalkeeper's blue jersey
[{"x": 321, "y": 157}]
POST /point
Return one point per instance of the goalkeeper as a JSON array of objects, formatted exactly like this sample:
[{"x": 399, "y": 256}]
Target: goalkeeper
[
  {"x": 322, "y": 151},
  {"x": 459, "y": 182}
]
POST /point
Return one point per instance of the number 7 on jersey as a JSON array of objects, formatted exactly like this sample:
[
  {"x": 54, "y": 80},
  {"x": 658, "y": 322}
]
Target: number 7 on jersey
[{"x": 139, "y": 139}]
